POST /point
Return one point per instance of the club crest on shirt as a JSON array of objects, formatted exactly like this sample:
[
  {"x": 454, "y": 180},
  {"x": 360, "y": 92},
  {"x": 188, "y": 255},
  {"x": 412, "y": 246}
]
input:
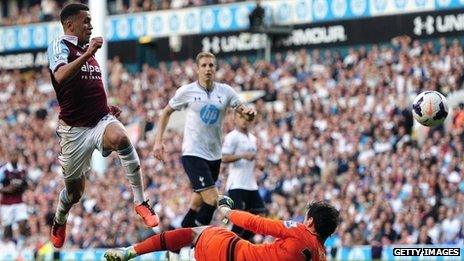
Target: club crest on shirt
[
  {"x": 209, "y": 114},
  {"x": 202, "y": 180}
]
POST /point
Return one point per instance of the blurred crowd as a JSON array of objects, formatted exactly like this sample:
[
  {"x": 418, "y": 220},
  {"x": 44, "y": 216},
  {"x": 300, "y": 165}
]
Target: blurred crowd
[
  {"x": 330, "y": 127},
  {"x": 35, "y": 11}
]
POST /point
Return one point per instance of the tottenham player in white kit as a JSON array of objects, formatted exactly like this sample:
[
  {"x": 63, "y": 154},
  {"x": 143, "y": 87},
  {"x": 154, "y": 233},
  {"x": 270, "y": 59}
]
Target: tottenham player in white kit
[
  {"x": 239, "y": 150},
  {"x": 206, "y": 102}
]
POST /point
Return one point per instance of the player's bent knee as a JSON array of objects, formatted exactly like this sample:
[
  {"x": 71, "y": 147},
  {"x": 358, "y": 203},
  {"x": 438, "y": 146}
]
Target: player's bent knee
[
  {"x": 122, "y": 141},
  {"x": 116, "y": 138}
]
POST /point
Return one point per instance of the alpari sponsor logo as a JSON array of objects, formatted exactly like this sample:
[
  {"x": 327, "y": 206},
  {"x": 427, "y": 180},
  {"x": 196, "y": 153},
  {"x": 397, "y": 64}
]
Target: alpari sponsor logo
[
  {"x": 439, "y": 24},
  {"x": 91, "y": 72}
]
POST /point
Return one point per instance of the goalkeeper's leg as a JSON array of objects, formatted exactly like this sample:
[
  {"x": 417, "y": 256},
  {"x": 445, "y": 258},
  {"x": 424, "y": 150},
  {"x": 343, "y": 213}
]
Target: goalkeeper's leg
[{"x": 170, "y": 240}]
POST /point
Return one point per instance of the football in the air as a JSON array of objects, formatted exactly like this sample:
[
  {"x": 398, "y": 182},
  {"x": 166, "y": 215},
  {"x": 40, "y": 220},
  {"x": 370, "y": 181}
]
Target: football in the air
[{"x": 430, "y": 108}]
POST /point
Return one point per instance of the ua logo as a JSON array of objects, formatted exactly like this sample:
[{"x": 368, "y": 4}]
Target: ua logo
[
  {"x": 420, "y": 25},
  {"x": 202, "y": 180},
  {"x": 219, "y": 98}
]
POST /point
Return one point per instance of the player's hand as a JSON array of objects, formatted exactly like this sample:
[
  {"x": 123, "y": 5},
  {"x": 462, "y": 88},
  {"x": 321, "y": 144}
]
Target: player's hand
[
  {"x": 250, "y": 113},
  {"x": 95, "y": 44},
  {"x": 248, "y": 156},
  {"x": 225, "y": 201},
  {"x": 115, "y": 111},
  {"x": 158, "y": 150},
  {"x": 225, "y": 205}
]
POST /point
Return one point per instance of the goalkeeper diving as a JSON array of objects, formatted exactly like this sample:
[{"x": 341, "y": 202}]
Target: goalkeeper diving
[{"x": 293, "y": 240}]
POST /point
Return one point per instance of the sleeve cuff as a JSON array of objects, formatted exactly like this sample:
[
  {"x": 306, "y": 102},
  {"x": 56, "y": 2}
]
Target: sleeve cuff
[{"x": 58, "y": 66}]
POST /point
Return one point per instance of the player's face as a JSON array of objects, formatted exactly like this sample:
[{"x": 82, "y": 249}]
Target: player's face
[
  {"x": 242, "y": 121},
  {"x": 206, "y": 68},
  {"x": 82, "y": 28}
]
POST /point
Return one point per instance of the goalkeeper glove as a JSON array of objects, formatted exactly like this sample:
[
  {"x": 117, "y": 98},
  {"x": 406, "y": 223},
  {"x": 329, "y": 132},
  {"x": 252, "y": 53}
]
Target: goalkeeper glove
[{"x": 225, "y": 201}]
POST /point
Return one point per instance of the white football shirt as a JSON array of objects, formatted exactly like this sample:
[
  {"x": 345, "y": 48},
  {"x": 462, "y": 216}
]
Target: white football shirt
[
  {"x": 241, "y": 171},
  {"x": 205, "y": 114}
]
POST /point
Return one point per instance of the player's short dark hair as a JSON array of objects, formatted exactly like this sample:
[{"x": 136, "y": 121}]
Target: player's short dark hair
[
  {"x": 71, "y": 10},
  {"x": 326, "y": 219}
]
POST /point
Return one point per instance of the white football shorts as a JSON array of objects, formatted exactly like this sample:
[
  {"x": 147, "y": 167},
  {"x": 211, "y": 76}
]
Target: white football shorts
[
  {"x": 77, "y": 145},
  {"x": 13, "y": 213}
]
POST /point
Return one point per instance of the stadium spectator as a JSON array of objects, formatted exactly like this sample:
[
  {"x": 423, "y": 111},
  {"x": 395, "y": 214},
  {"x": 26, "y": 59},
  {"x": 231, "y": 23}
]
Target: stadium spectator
[
  {"x": 256, "y": 17},
  {"x": 458, "y": 121},
  {"x": 13, "y": 210}
]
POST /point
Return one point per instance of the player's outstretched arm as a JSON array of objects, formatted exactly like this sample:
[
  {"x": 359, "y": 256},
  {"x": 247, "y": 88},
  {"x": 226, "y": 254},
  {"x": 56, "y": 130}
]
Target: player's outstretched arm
[
  {"x": 67, "y": 71},
  {"x": 254, "y": 223},
  {"x": 158, "y": 148}
]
